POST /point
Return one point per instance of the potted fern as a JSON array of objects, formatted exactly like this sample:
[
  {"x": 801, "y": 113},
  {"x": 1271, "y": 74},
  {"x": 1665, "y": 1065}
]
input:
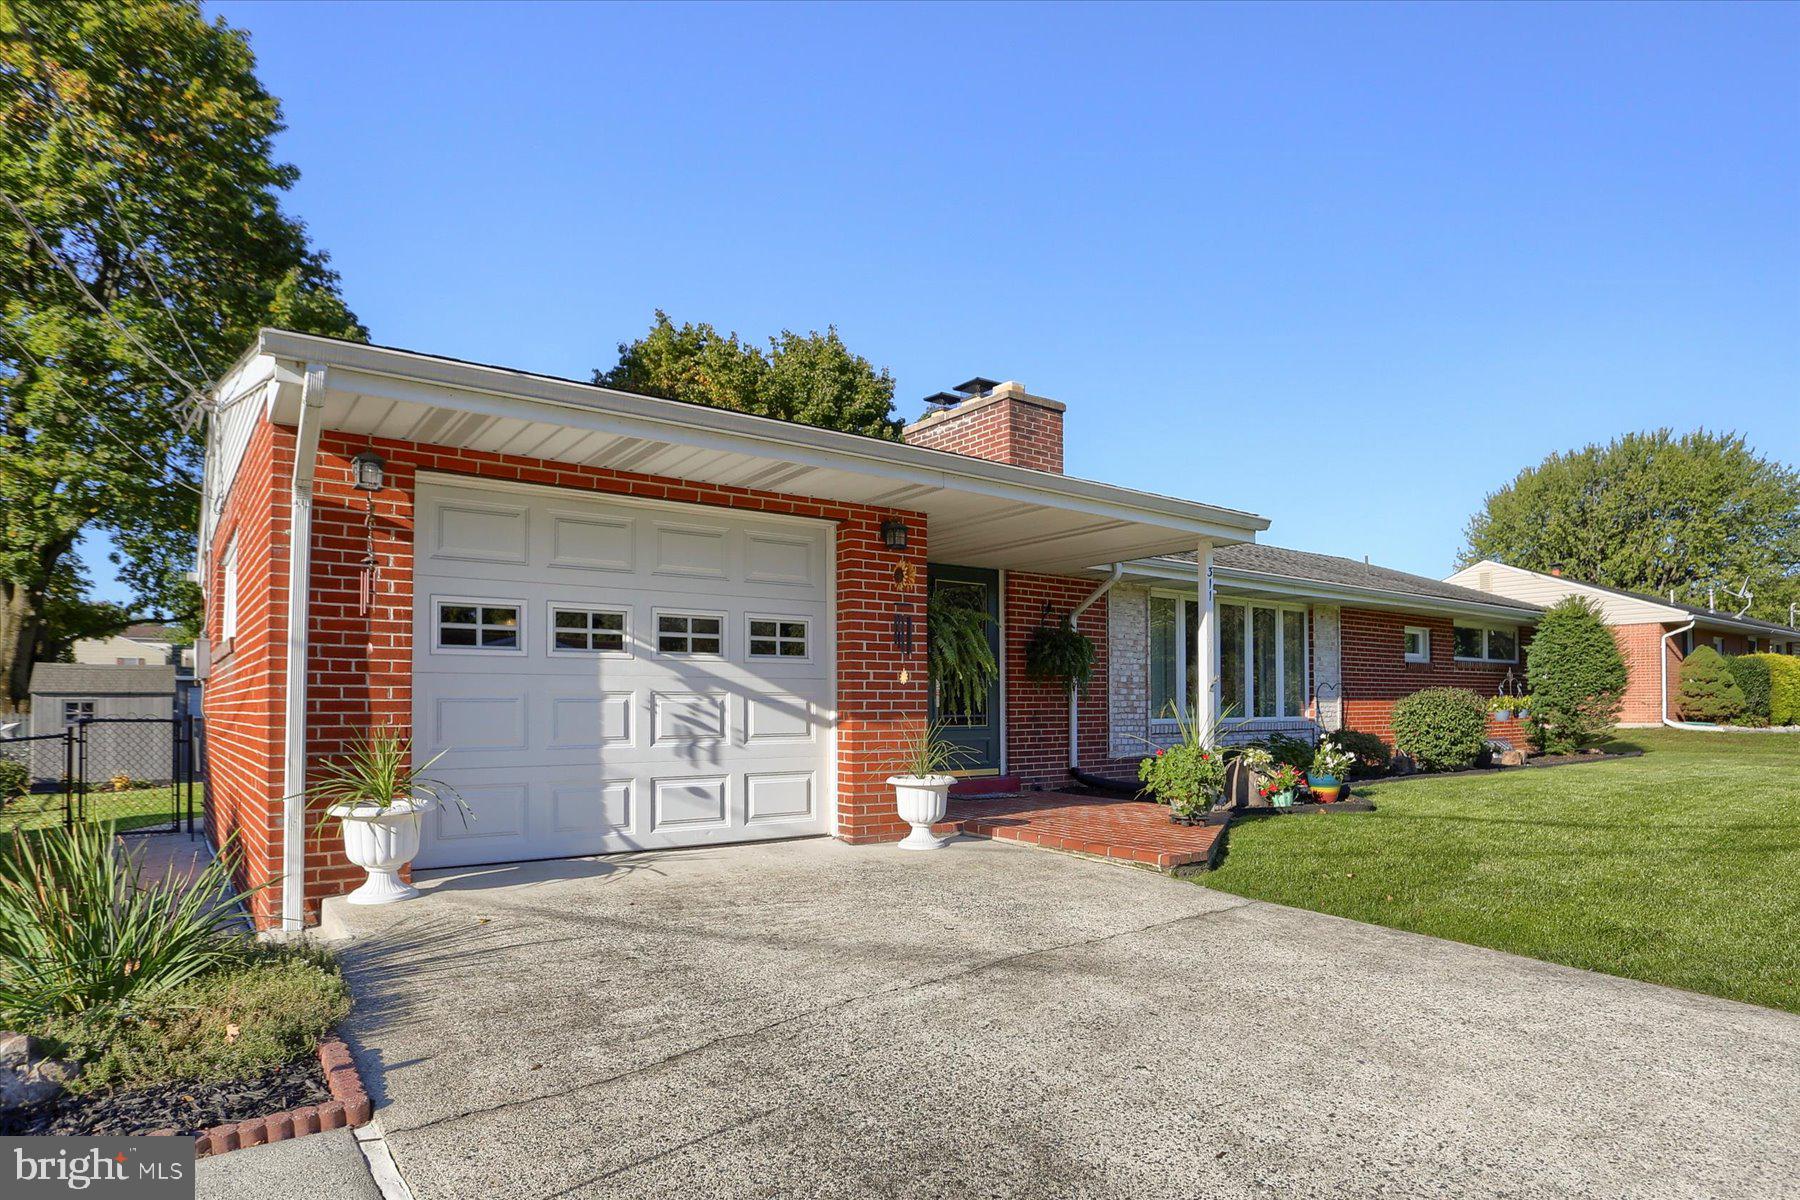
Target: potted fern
[
  {"x": 922, "y": 786},
  {"x": 1060, "y": 653},
  {"x": 378, "y": 798}
]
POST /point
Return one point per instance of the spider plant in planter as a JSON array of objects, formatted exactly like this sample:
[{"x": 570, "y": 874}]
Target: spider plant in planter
[
  {"x": 922, "y": 784},
  {"x": 378, "y": 798}
]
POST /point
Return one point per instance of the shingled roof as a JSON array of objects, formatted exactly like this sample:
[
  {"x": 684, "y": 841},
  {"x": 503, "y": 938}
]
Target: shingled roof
[{"x": 80, "y": 679}]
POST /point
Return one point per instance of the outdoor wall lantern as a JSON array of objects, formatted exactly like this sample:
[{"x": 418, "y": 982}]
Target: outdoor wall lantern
[
  {"x": 366, "y": 471},
  {"x": 893, "y": 533}
]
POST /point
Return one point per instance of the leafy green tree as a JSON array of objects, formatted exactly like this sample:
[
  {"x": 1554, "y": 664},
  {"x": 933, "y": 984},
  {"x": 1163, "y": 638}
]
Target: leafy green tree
[
  {"x": 1708, "y": 692},
  {"x": 1652, "y": 511},
  {"x": 810, "y": 378},
  {"x": 142, "y": 242},
  {"x": 1576, "y": 675}
]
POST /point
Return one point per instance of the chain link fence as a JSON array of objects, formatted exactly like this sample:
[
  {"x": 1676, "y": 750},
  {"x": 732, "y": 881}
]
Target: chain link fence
[{"x": 136, "y": 774}]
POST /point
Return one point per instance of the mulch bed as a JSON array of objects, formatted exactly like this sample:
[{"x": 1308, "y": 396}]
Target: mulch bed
[
  {"x": 1542, "y": 760},
  {"x": 184, "y": 1108}
]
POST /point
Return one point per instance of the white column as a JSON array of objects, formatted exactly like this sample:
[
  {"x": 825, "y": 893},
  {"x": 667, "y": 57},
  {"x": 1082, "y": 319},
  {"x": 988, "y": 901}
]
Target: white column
[{"x": 1206, "y": 656}]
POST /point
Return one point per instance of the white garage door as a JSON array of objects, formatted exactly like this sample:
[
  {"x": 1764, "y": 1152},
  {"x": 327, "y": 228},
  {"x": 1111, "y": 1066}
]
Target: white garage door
[{"x": 609, "y": 675}]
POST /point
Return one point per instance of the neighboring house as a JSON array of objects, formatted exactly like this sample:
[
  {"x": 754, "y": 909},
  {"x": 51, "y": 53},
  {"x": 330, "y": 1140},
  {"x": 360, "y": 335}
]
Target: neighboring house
[
  {"x": 65, "y": 694},
  {"x": 628, "y": 622},
  {"x": 146, "y": 643},
  {"x": 1645, "y": 627}
]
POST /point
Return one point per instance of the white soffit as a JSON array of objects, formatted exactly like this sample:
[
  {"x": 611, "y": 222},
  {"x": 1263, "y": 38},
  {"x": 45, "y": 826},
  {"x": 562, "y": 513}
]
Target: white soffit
[{"x": 980, "y": 513}]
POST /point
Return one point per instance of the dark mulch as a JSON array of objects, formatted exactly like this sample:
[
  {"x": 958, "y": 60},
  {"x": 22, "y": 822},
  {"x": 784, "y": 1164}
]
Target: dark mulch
[
  {"x": 1541, "y": 760},
  {"x": 188, "y": 1108}
]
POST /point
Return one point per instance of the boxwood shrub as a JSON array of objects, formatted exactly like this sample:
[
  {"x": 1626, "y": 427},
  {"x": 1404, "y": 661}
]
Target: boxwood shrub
[
  {"x": 1441, "y": 729},
  {"x": 1708, "y": 692},
  {"x": 1784, "y": 689},
  {"x": 1751, "y": 673}
]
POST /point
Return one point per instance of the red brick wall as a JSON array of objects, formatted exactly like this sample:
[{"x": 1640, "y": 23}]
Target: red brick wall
[
  {"x": 360, "y": 665},
  {"x": 1037, "y": 714},
  {"x": 242, "y": 696},
  {"x": 1006, "y": 430},
  {"x": 1377, "y": 675},
  {"x": 1639, "y": 645}
]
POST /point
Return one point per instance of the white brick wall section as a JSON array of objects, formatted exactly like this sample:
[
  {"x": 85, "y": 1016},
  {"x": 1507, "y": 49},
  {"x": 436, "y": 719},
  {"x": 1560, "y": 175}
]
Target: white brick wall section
[
  {"x": 1128, "y": 665},
  {"x": 1328, "y": 669}
]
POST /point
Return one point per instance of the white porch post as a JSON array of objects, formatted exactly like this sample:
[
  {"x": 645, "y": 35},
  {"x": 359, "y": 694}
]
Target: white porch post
[{"x": 1206, "y": 656}]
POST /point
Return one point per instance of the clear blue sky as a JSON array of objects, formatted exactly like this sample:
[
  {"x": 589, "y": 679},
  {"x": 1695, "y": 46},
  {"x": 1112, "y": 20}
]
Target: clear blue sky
[{"x": 1348, "y": 267}]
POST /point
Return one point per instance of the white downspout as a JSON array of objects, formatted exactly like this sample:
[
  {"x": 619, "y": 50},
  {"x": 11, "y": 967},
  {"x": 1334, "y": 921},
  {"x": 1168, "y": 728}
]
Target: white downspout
[
  {"x": 299, "y": 585},
  {"x": 1118, "y": 570},
  {"x": 1665, "y": 680}
]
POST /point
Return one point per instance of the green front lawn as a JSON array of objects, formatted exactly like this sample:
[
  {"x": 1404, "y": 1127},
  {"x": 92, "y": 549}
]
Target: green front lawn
[{"x": 1681, "y": 867}]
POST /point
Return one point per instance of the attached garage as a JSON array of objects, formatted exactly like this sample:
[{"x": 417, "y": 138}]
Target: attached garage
[{"x": 611, "y": 674}]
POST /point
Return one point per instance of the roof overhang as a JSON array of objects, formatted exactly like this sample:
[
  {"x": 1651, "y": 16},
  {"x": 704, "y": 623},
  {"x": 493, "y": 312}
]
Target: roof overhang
[
  {"x": 1265, "y": 585},
  {"x": 979, "y": 513}
]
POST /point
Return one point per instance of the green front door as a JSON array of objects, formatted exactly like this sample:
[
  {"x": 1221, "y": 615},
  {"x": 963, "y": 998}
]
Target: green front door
[{"x": 977, "y": 731}]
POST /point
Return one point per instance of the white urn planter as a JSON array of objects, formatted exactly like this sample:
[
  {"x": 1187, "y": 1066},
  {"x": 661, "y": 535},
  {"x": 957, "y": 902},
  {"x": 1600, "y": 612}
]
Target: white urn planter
[
  {"x": 381, "y": 841},
  {"x": 921, "y": 800}
]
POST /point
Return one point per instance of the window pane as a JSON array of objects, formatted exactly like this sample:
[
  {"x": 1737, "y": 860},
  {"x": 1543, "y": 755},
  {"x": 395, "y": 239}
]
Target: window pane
[
  {"x": 704, "y": 625},
  {"x": 500, "y": 616},
  {"x": 702, "y": 645},
  {"x": 672, "y": 644},
  {"x": 610, "y": 620},
  {"x": 1231, "y": 659},
  {"x": 571, "y": 620},
  {"x": 502, "y": 638},
  {"x": 456, "y": 637},
  {"x": 1190, "y": 632},
  {"x": 462, "y": 613},
  {"x": 761, "y": 648},
  {"x": 793, "y": 629},
  {"x": 668, "y": 624},
  {"x": 1468, "y": 642},
  {"x": 794, "y": 649},
  {"x": 571, "y": 641},
  {"x": 762, "y": 629},
  {"x": 1162, "y": 655},
  {"x": 1503, "y": 644},
  {"x": 1264, "y": 686},
  {"x": 1293, "y": 663},
  {"x": 607, "y": 641}
]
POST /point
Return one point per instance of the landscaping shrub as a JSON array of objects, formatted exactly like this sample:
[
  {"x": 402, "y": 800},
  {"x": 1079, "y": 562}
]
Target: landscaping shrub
[
  {"x": 1708, "y": 692},
  {"x": 1784, "y": 689},
  {"x": 15, "y": 779},
  {"x": 1373, "y": 755},
  {"x": 79, "y": 930},
  {"x": 1294, "y": 752},
  {"x": 1751, "y": 673},
  {"x": 1441, "y": 729},
  {"x": 264, "y": 1009},
  {"x": 1576, "y": 675}
]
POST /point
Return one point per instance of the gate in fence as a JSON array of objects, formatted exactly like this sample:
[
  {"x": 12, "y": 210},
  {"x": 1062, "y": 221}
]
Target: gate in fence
[{"x": 136, "y": 774}]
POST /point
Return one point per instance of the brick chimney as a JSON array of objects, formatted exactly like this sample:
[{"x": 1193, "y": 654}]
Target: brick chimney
[{"x": 1001, "y": 422}]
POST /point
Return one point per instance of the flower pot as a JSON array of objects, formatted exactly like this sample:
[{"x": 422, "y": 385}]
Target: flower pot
[
  {"x": 921, "y": 800},
  {"x": 381, "y": 841},
  {"x": 1282, "y": 799},
  {"x": 1503, "y": 714},
  {"x": 1325, "y": 788}
]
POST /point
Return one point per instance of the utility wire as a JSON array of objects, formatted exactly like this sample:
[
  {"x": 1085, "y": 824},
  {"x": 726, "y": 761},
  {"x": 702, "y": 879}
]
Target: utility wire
[{"x": 174, "y": 476}]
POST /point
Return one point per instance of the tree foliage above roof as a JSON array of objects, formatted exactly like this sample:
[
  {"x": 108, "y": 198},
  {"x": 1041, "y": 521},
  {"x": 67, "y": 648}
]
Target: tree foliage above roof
[
  {"x": 138, "y": 144},
  {"x": 1648, "y": 512},
  {"x": 810, "y": 378}
]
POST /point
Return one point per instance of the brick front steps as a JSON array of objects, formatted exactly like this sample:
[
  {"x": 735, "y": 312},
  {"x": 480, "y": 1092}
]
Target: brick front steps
[
  {"x": 1127, "y": 831},
  {"x": 349, "y": 1106}
]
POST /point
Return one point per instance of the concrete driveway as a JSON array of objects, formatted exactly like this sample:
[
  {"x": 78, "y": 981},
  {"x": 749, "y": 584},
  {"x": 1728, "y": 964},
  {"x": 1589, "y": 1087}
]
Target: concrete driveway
[{"x": 813, "y": 1019}]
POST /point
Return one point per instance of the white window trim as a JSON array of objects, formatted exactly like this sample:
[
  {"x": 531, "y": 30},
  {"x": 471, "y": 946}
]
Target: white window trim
[
  {"x": 93, "y": 710},
  {"x": 1485, "y": 630},
  {"x": 551, "y": 608},
  {"x": 1424, "y": 632},
  {"x": 788, "y": 619},
  {"x": 437, "y": 620},
  {"x": 1161, "y": 724},
  {"x": 653, "y": 640},
  {"x": 228, "y": 591}
]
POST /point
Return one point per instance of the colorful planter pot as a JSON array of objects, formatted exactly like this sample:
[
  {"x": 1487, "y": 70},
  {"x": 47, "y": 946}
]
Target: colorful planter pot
[
  {"x": 1325, "y": 788},
  {"x": 1282, "y": 799}
]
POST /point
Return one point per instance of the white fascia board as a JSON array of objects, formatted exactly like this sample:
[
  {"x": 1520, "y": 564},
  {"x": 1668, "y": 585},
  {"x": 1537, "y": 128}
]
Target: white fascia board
[
  {"x": 493, "y": 391},
  {"x": 1326, "y": 593}
]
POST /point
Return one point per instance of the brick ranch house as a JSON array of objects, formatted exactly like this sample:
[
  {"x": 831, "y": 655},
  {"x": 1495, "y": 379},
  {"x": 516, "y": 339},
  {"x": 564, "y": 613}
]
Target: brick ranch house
[
  {"x": 629, "y": 622},
  {"x": 1646, "y": 627}
]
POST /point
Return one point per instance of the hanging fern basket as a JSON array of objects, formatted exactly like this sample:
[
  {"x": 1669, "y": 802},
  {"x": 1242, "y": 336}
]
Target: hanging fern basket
[{"x": 1060, "y": 653}]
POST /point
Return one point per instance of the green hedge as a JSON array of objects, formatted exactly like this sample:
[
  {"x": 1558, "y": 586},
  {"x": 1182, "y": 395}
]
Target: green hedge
[
  {"x": 1441, "y": 729},
  {"x": 1784, "y": 688},
  {"x": 1752, "y": 675}
]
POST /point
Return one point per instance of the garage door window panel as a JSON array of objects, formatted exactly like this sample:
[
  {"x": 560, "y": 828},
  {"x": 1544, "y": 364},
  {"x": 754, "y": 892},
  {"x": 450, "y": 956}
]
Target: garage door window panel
[
  {"x": 469, "y": 625},
  {"x": 690, "y": 634},
  {"x": 781, "y": 638},
  {"x": 590, "y": 631}
]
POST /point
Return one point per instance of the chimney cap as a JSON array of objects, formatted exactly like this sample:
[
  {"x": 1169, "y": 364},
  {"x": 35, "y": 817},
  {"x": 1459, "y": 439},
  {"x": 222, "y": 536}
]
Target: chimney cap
[
  {"x": 943, "y": 399},
  {"x": 977, "y": 386}
]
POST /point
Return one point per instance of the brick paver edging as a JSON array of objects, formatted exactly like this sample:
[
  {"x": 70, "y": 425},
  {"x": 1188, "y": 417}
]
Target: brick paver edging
[{"x": 348, "y": 1107}]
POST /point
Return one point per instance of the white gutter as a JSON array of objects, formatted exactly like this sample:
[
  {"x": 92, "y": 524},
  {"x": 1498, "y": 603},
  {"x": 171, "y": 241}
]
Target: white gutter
[
  {"x": 299, "y": 586},
  {"x": 1331, "y": 593},
  {"x": 1665, "y": 680},
  {"x": 1118, "y": 571}
]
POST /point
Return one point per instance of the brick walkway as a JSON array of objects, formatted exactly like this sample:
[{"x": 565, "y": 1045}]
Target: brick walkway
[{"x": 1122, "y": 830}]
